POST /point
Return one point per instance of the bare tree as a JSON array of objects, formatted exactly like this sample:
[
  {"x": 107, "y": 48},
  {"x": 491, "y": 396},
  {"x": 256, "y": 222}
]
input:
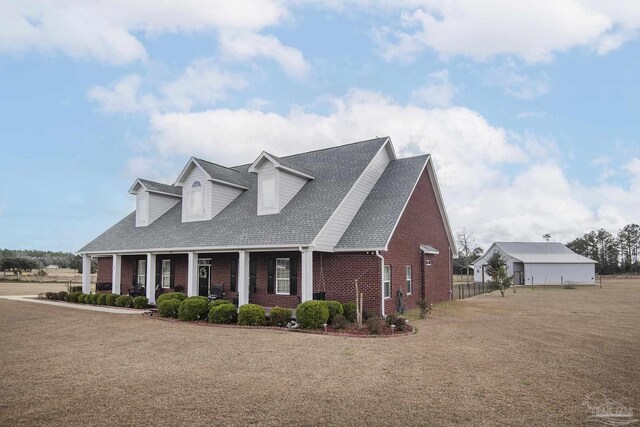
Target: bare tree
[{"x": 468, "y": 248}]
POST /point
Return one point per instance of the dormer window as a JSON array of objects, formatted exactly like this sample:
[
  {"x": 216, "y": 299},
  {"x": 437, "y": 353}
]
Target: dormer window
[
  {"x": 196, "y": 200},
  {"x": 268, "y": 193},
  {"x": 153, "y": 200}
]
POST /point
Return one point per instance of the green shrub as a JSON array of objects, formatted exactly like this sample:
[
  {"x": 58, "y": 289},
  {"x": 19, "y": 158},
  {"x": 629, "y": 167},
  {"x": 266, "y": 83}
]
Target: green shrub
[
  {"x": 335, "y": 307},
  {"x": 140, "y": 302},
  {"x": 111, "y": 299},
  {"x": 350, "y": 311},
  {"x": 339, "y": 321},
  {"x": 252, "y": 315},
  {"x": 375, "y": 325},
  {"x": 81, "y": 298},
  {"x": 73, "y": 296},
  {"x": 101, "y": 299},
  {"x": 279, "y": 316},
  {"x": 124, "y": 301},
  {"x": 312, "y": 314},
  {"x": 193, "y": 308},
  {"x": 169, "y": 308},
  {"x": 171, "y": 295},
  {"x": 223, "y": 313},
  {"x": 94, "y": 298},
  {"x": 217, "y": 302},
  {"x": 62, "y": 296}
]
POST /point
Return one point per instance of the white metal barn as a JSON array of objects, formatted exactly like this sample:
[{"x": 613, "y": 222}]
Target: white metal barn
[{"x": 539, "y": 263}]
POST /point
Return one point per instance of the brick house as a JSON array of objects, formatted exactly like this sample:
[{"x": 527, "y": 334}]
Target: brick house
[{"x": 280, "y": 231}]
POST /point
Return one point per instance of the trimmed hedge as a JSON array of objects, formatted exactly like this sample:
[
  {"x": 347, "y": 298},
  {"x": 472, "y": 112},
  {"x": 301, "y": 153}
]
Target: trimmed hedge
[
  {"x": 51, "y": 295},
  {"x": 334, "y": 307},
  {"x": 73, "y": 296},
  {"x": 101, "y": 299},
  {"x": 279, "y": 316},
  {"x": 140, "y": 302},
  {"x": 312, "y": 314},
  {"x": 217, "y": 302},
  {"x": 350, "y": 311},
  {"x": 169, "y": 308},
  {"x": 81, "y": 298},
  {"x": 339, "y": 321},
  {"x": 171, "y": 295},
  {"x": 223, "y": 313},
  {"x": 111, "y": 299},
  {"x": 124, "y": 301},
  {"x": 193, "y": 308},
  {"x": 251, "y": 315},
  {"x": 62, "y": 295}
]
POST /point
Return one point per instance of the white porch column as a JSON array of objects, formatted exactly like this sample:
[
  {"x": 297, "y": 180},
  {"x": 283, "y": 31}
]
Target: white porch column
[
  {"x": 86, "y": 274},
  {"x": 151, "y": 278},
  {"x": 243, "y": 278},
  {"x": 306, "y": 283},
  {"x": 116, "y": 274},
  {"x": 192, "y": 274}
]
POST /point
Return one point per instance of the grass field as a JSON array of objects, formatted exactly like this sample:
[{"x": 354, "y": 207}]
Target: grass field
[{"x": 529, "y": 358}]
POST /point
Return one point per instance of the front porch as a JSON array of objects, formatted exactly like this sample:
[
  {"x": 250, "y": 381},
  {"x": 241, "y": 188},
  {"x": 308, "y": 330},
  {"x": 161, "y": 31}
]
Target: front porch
[{"x": 269, "y": 278}]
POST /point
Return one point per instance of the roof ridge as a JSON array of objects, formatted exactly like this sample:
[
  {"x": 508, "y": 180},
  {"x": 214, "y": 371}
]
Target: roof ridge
[{"x": 217, "y": 164}]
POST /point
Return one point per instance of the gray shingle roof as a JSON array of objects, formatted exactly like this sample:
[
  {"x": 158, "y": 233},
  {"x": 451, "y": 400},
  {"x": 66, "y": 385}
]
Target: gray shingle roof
[
  {"x": 291, "y": 164},
  {"x": 163, "y": 188},
  {"x": 225, "y": 174},
  {"x": 335, "y": 170},
  {"x": 374, "y": 222}
]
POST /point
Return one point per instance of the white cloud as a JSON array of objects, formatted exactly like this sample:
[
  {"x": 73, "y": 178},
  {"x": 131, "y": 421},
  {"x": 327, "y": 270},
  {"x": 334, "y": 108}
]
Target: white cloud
[
  {"x": 243, "y": 46},
  {"x": 439, "y": 92},
  {"x": 202, "y": 83},
  {"x": 533, "y": 31},
  {"x": 501, "y": 184},
  {"x": 516, "y": 82},
  {"x": 109, "y": 31}
]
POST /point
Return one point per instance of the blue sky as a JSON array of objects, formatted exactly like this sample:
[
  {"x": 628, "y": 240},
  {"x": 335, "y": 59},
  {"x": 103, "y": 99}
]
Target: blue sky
[{"x": 531, "y": 111}]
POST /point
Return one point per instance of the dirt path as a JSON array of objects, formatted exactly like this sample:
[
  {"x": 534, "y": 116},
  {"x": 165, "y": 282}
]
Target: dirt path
[{"x": 529, "y": 358}]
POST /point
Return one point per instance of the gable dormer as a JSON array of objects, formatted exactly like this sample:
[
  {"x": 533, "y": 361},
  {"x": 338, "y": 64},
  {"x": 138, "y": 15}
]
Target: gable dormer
[
  {"x": 207, "y": 188},
  {"x": 153, "y": 200},
  {"x": 278, "y": 182}
]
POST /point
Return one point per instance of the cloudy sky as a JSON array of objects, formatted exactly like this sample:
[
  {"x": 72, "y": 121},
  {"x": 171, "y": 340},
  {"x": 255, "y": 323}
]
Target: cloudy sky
[{"x": 531, "y": 112}]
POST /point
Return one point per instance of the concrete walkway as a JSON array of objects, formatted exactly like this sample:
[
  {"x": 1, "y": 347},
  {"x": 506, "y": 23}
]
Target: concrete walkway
[{"x": 33, "y": 298}]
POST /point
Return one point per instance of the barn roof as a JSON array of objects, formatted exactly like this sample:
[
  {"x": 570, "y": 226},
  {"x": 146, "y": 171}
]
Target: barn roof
[{"x": 541, "y": 253}]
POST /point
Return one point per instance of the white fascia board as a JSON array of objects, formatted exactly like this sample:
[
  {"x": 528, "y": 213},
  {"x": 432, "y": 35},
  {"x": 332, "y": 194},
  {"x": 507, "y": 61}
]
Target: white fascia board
[
  {"x": 443, "y": 211},
  {"x": 192, "y": 160},
  {"x": 227, "y": 183},
  {"x": 264, "y": 155},
  {"x": 165, "y": 193},
  {"x": 252, "y": 248},
  {"x": 136, "y": 183},
  {"x": 359, "y": 250}
]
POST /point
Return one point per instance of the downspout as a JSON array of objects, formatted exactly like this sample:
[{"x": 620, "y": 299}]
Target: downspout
[
  {"x": 450, "y": 278},
  {"x": 381, "y": 282}
]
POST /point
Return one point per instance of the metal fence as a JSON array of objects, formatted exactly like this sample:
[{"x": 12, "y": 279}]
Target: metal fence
[{"x": 468, "y": 290}]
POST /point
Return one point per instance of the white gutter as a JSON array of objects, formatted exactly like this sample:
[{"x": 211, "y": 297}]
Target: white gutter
[
  {"x": 255, "y": 248},
  {"x": 381, "y": 281}
]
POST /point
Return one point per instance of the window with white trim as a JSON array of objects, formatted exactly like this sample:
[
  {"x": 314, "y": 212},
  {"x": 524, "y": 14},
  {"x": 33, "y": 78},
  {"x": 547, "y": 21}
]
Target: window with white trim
[
  {"x": 166, "y": 273},
  {"x": 196, "y": 200},
  {"x": 283, "y": 276},
  {"x": 268, "y": 193},
  {"x": 409, "y": 281},
  {"x": 387, "y": 281},
  {"x": 428, "y": 262},
  {"x": 142, "y": 272}
]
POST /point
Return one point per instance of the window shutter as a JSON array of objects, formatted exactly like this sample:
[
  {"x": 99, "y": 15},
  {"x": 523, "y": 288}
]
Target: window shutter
[
  {"x": 172, "y": 278},
  {"x": 390, "y": 281},
  {"x": 158, "y": 272},
  {"x": 252, "y": 275},
  {"x": 293, "y": 276},
  {"x": 233, "y": 278},
  {"x": 270, "y": 276}
]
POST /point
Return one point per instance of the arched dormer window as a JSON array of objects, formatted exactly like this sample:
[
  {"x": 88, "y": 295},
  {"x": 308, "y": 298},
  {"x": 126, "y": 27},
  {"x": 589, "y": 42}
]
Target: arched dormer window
[{"x": 196, "y": 200}]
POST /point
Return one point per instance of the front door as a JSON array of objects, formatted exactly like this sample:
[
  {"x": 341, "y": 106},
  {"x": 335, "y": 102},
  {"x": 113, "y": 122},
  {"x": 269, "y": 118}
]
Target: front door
[{"x": 203, "y": 280}]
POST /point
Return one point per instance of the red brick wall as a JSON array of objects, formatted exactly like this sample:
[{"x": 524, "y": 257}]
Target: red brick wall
[
  {"x": 261, "y": 296},
  {"x": 335, "y": 274},
  {"x": 220, "y": 272},
  {"x": 127, "y": 270},
  {"x": 105, "y": 269},
  {"x": 421, "y": 222}
]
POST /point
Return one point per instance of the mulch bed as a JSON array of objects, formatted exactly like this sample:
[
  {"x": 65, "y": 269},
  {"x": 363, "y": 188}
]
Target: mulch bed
[{"x": 351, "y": 331}]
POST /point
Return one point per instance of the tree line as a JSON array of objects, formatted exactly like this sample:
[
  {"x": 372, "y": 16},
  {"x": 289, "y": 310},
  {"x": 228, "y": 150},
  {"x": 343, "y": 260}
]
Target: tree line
[
  {"x": 21, "y": 260},
  {"x": 615, "y": 253}
]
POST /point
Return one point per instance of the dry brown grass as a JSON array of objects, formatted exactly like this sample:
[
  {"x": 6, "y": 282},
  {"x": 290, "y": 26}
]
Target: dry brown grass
[{"x": 526, "y": 359}]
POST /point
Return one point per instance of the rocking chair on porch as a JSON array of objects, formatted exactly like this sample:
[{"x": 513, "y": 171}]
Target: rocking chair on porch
[{"x": 216, "y": 292}]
